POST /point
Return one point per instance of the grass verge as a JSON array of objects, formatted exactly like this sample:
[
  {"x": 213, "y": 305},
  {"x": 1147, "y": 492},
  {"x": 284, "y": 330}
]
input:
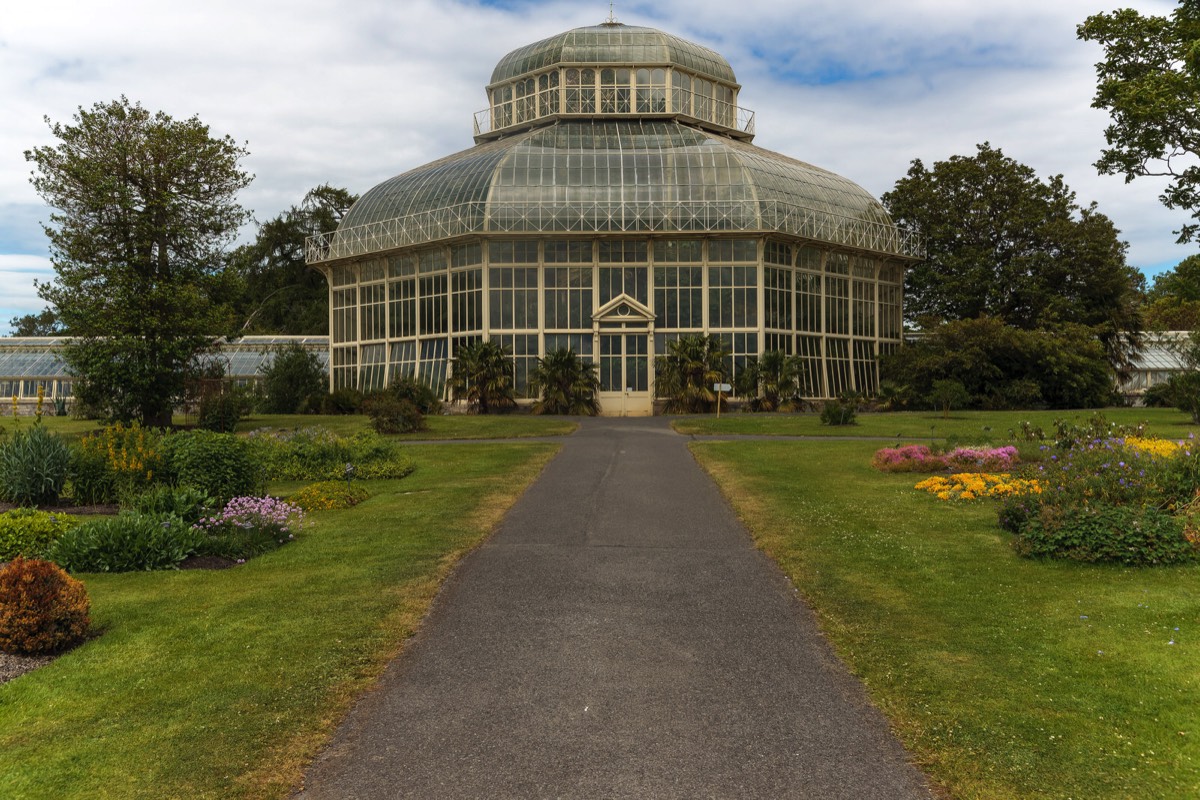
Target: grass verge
[
  {"x": 1006, "y": 678},
  {"x": 970, "y": 425},
  {"x": 224, "y": 684},
  {"x": 451, "y": 426}
]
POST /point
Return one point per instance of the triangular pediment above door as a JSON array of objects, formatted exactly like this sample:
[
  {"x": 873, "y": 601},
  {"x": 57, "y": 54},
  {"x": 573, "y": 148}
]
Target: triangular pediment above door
[{"x": 623, "y": 308}]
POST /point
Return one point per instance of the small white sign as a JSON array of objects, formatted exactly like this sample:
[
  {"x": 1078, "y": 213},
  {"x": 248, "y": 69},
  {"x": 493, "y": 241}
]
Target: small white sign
[{"x": 722, "y": 387}]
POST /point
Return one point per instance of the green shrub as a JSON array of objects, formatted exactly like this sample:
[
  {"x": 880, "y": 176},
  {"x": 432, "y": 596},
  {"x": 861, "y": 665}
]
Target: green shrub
[
  {"x": 91, "y": 481},
  {"x": 42, "y": 608},
  {"x": 34, "y": 464},
  {"x": 841, "y": 411},
  {"x": 342, "y": 401},
  {"x": 217, "y": 464},
  {"x": 315, "y": 454},
  {"x": 329, "y": 495},
  {"x": 1129, "y": 535},
  {"x": 27, "y": 532},
  {"x": 220, "y": 412},
  {"x": 128, "y": 542},
  {"x": 390, "y": 415},
  {"x": 185, "y": 502},
  {"x": 293, "y": 376},
  {"x": 414, "y": 391}
]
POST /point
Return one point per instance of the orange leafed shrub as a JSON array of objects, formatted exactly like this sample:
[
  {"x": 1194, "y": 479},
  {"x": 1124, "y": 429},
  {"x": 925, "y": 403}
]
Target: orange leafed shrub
[{"x": 42, "y": 608}]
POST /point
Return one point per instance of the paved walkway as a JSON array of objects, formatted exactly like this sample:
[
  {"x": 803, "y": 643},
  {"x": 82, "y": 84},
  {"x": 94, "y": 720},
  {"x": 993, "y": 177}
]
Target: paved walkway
[{"x": 618, "y": 637}]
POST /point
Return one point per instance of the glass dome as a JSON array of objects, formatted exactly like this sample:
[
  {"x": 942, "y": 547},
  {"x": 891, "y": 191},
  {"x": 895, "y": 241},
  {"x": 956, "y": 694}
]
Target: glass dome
[
  {"x": 617, "y": 44},
  {"x": 610, "y": 177}
]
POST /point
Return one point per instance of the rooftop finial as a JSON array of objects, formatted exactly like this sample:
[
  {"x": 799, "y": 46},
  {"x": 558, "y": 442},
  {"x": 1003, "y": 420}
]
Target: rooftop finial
[{"x": 612, "y": 20}]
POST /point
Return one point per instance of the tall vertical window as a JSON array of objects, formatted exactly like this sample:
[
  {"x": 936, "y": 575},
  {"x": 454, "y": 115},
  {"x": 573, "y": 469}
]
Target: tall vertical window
[
  {"x": 467, "y": 300},
  {"x": 778, "y": 299},
  {"x": 345, "y": 315},
  {"x": 372, "y": 366},
  {"x": 679, "y": 296},
  {"x": 732, "y": 297},
  {"x": 568, "y": 297},
  {"x": 402, "y": 359},
  {"x": 374, "y": 322},
  {"x": 863, "y": 298},
  {"x": 865, "y": 368},
  {"x": 345, "y": 367},
  {"x": 837, "y": 359},
  {"x": 513, "y": 297},
  {"x": 812, "y": 382},
  {"x": 432, "y": 289},
  {"x": 402, "y": 308}
]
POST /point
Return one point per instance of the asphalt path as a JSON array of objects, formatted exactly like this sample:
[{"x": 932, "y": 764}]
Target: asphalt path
[{"x": 617, "y": 637}]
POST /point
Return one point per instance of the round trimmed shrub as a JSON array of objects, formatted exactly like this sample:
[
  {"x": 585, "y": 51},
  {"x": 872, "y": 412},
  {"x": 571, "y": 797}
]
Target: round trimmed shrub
[
  {"x": 391, "y": 415},
  {"x": 42, "y": 608}
]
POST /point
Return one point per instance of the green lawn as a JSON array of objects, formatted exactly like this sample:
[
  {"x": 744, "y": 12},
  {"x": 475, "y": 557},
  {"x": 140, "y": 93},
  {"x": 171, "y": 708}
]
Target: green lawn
[
  {"x": 1007, "y": 678},
  {"x": 909, "y": 425},
  {"x": 451, "y": 426},
  {"x": 224, "y": 684}
]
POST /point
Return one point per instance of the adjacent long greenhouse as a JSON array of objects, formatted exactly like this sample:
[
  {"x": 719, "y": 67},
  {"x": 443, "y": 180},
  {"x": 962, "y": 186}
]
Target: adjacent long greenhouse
[
  {"x": 33, "y": 365},
  {"x": 613, "y": 202}
]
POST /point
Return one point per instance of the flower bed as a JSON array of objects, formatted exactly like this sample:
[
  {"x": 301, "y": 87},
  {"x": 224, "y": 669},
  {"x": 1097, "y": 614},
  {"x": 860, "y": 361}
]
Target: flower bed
[
  {"x": 919, "y": 458},
  {"x": 976, "y": 485}
]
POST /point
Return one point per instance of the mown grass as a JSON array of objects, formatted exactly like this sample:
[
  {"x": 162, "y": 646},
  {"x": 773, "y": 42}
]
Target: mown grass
[
  {"x": 224, "y": 684},
  {"x": 971, "y": 425},
  {"x": 1005, "y": 677}
]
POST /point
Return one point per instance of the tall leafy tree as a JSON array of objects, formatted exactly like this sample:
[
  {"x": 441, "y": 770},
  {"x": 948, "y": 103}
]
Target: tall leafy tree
[
  {"x": 275, "y": 292},
  {"x": 144, "y": 206},
  {"x": 1148, "y": 82},
  {"x": 1005, "y": 243}
]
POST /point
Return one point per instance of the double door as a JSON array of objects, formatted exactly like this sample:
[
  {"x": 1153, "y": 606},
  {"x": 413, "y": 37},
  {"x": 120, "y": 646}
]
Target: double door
[{"x": 625, "y": 374}]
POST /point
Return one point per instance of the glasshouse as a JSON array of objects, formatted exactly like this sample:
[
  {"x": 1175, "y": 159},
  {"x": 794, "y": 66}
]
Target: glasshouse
[
  {"x": 614, "y": 202},
  {"x": 33, "y": 364}
]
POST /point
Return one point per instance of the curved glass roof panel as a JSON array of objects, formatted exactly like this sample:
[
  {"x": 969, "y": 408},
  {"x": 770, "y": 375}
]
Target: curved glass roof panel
[
  {"x": 613, "y": 176},
  {"x": 613, "y": 44}
]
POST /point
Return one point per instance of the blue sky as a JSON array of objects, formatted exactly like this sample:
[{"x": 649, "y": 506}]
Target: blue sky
[{"x": 351, "y": 94}]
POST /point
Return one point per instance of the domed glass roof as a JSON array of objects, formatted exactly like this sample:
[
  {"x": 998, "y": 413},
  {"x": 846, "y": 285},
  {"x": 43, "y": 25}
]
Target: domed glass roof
[
  {"x": 613, "y": 43},
  {"x": 615, "y": 176}
]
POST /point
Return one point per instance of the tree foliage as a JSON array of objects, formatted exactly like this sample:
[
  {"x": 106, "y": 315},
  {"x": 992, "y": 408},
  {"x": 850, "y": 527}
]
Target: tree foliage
[
  {"x": 565, "y": 384},
  {"x": 1148, "y": 82},
  {"x": 44, "y": 323},
  {"x": 770, "y": 381},
  {"x": 1173, "y": 301},
  {"x": 1004, "y": 243},
  {"x": 293, "y": 375},
  {"x": 685, "y": 374},
  {"x": 274, "y": 291},
  {"x": 482, "y": 374},
  {"x": 144, "y": 206},
  {"x": 1001, "y": 366}
]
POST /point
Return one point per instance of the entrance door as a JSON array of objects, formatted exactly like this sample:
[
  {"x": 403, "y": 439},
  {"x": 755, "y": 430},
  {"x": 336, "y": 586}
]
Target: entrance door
[{"x": 625, "y": 375}]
